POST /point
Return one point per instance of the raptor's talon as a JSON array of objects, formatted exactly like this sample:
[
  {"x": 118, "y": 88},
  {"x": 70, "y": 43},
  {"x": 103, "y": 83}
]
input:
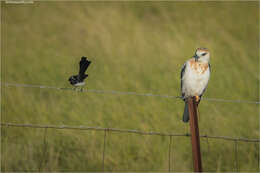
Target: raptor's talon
[{"x": 197, "y": 98}]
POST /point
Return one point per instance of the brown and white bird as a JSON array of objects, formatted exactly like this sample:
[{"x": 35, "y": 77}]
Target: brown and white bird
[{"x": 195, "y": 75}]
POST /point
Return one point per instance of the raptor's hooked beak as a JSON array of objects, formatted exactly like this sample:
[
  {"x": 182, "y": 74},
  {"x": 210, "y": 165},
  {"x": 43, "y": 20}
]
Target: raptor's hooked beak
[{"x": 196, "y": 57}]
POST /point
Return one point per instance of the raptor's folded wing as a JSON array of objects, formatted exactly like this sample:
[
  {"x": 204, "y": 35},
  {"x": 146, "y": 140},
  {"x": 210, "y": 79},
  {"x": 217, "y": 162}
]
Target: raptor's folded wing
[{"x": 182, "y": 74}]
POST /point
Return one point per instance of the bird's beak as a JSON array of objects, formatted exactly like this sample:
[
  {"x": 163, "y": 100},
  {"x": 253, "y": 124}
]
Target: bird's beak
[{"x": 196, "y": 57}]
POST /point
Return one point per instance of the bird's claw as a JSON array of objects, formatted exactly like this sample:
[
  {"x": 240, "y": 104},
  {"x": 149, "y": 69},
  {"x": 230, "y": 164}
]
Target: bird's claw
[{"x": 197, "y": 99}]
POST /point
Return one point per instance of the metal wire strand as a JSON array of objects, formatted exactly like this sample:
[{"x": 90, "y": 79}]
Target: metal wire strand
[
  {"x": 236, "y": 155},
  {"x": 170, "y": 145},
  {"x": 130, "y": 131},
  {"x": 115, "y": 92},
  {"x": 258, "y": 157},
  {"x": 208, "y": 154},
  {"x": 104, "y": 150},
  {"x": 44, "y": 150}
]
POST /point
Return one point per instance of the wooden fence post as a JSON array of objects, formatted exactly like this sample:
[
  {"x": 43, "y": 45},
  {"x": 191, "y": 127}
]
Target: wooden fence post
[{"x": 195, "y": 137}]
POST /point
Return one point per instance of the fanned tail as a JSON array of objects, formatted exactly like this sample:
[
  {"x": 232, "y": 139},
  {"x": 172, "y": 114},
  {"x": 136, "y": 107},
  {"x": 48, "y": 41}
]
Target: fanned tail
[{"x": 83, "y": 66}]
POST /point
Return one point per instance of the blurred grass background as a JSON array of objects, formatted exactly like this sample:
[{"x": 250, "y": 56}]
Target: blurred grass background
[{"x": 133, "y": 46}]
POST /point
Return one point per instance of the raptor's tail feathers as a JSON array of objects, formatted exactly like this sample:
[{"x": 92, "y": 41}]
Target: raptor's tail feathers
[
  {"x": 186, "y": 117},
  {"x": 83, "y": 66}
]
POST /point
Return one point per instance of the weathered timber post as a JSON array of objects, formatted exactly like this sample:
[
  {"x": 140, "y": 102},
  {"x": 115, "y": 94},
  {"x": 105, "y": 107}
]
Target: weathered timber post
[{"x": 195, "y": 136}]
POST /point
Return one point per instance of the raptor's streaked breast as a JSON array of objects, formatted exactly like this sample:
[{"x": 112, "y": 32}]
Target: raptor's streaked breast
[
  {"x": 195, "y": 79},
  {"x": 199, "y": 67}
]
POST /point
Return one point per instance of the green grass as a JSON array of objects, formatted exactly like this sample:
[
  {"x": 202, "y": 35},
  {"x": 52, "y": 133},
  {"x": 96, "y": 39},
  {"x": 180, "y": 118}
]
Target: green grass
[{"x": 134, "y": 46}]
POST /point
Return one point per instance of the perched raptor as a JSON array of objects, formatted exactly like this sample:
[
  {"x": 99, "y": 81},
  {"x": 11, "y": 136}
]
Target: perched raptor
[{"x": 195, "y": 75}]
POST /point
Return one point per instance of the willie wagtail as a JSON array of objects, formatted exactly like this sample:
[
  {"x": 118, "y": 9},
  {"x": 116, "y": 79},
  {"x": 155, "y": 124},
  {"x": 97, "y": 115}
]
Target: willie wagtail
[{"x": 78, "y": 80}]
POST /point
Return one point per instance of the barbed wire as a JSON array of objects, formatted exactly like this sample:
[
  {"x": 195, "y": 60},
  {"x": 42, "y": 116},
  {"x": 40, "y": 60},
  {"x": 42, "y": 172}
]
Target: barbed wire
[
  {"x": 236, "y": 139},
  {"x": 115, "y": 92}
]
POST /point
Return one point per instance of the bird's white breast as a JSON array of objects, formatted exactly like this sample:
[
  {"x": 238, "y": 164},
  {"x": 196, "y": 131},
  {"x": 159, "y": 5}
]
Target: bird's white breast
[
  {"x": 80, "y": 84},
  {"x": 195, "y": 78}
]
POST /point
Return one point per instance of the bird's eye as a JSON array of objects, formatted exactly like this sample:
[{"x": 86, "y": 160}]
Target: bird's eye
[{"x": 204, "y": 54}]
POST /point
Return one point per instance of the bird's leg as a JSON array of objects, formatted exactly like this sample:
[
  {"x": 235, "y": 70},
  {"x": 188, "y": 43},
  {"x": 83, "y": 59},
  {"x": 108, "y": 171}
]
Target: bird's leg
[
  {"x": 77, "y": 88},
  {"x": 197, "y": 99},
  {"x": 81, "y": 89}
]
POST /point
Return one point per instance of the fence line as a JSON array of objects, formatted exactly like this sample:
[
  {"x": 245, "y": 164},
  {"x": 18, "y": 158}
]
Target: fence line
[
  {"x": 236, "y": 156},
  {"x": 104, "y": 150},
  {"x": 235, "y": 139},
  {"x": 124, "y": 93},
  {"x": 107, "y": 130},
  {"x": 44, "y": 151},
  {"x": 129, "y": 131},
  {"x": 170, "y": 153}
]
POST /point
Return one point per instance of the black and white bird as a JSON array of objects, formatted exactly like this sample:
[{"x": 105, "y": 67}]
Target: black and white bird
[
  {"x": 78, "y": 80},
  {"x": 195, "y": 75}
]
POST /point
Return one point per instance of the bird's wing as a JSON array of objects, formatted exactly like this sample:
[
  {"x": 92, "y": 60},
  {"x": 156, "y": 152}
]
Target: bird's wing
[
  {"x": 182, "y": 74},
  {"x": 83, "y": 65}
]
